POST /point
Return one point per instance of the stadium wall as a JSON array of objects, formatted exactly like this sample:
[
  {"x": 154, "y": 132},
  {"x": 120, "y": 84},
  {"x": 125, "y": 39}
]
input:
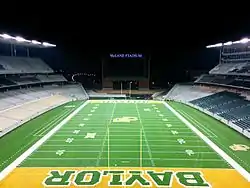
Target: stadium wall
[
  {"x": 107, "y": 84},
  {"x": 144, "y": 85},
  {"x": 228, "y": 123}
]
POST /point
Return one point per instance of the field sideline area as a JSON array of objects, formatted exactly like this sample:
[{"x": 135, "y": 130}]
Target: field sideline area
[{"x": 124, "y": 143}]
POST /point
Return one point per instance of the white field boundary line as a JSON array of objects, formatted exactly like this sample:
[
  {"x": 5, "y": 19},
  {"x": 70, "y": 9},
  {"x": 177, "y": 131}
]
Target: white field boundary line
[
  {"x": 223, "y": 154},
  {"x": 209, "y": 132},
  {"x": 28, "y": 152},
  {"x": 59, "y": 119},
  {"x": 34, "y": 133},
  {"x": 51, "y": 123}
]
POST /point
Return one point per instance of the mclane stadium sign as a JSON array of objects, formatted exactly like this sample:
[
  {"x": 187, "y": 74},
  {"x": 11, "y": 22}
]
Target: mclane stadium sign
[
  {"x": 128, "y": 55},
  {"x": 117, "y": 177}
]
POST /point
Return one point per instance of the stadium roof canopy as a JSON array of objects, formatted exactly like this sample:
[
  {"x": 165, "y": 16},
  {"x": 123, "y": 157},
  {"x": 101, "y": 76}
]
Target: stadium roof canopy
[
  {"x": 17, "y": 40},
  {"x": 229, "y": 43}
]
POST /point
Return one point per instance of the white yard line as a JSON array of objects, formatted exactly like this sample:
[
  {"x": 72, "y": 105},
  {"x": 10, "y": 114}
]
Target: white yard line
[
  {"x": 159, "y": 130},
  {"x": 127, "y": 151},
  {"x": 165, "y": 140},
  {"x": 80, "y": 145},
  {"x": 169, "y": 136},
  {"x": 112, "y": 114},
  {"x": 108, "y": 149},
  {"x": 97, "y": 139},
  {"x": 100, "y": 151},
  {"x": 141, "y": 148},
  {"x": 21, "y": 158},
  {"x": 161, "y": 159},
  {"x": 132, "y": 135},
  {"x": 105, "y": 137},
  {"x": 142, "y": 127},
  {"x": 218, "y": 150}
]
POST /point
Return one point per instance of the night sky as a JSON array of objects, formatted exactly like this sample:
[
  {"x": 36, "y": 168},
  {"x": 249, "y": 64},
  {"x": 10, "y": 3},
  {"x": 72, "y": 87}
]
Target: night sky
[{"x": 174, "y": 36}]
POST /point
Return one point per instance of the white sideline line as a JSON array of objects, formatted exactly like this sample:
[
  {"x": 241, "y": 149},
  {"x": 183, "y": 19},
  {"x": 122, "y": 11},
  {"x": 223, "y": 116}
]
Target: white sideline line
[
  {"x": 56, "y": 122},
  {"x": 49, "y": 125},
  {"x": 46, "y": 124},
  {"x": 21, "y": 158},
  {"x": 209, "y": 132},
  {"x": 223, "y": 154}
]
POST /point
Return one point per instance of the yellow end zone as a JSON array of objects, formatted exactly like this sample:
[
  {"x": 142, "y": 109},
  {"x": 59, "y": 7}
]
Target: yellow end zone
[{"x": 126, "y": 177}]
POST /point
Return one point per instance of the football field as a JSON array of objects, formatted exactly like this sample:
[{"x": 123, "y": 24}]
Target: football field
[{"x": 134, "y": 142}]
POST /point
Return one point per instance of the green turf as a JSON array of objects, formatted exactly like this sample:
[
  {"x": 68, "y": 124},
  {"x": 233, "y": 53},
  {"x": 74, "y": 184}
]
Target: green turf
[
  {"x": 19, "y": 140},
  {"x": 148, "y": 142},
  {"x": 222, "y": 135},
  {"x": 153, "y": 140}
]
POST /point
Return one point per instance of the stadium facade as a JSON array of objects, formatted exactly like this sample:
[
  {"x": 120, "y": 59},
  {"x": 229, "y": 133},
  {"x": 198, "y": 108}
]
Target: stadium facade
[
  {"x": 121, "y": 78},
  {"x": 28, "y": 81}
]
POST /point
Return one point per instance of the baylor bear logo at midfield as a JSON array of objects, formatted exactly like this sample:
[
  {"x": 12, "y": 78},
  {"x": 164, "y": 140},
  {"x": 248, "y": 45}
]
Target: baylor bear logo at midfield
[
  {"x": 142, "y": 178},
  {"x": 125, "y": 119}
]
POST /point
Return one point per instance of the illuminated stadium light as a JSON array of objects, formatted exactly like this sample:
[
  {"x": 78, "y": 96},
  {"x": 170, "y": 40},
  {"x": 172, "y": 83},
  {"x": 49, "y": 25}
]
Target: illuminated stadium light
[
  {"x": 6, "y": 36},
  {"x": 215, "y": 45},
  {"x": 245, "y": 40},
  {"x": 20, "y": 40},
  {"x": 242, "y": 41},
  {"x": 228, "y": 43},
  {"x": 48, "y": 44},
  {"x": 35, "y": 42}
]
